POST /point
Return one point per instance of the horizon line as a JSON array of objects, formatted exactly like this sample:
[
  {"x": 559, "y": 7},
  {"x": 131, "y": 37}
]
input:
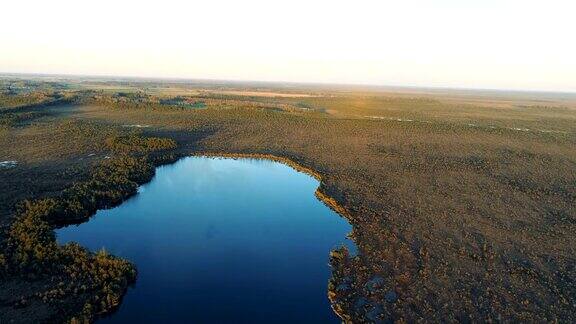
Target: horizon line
[{"x": 312, "y": 83}]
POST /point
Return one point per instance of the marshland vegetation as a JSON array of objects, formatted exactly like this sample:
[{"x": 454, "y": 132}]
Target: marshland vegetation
[{"x": 462, "y": 204}]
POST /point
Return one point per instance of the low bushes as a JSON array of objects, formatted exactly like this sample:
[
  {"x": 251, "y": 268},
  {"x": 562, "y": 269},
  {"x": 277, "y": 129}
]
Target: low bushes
[
  {"x": 98, "y": 280},
  {"x": 139, "y": 144},
  {"x": 83, "y": 284}
]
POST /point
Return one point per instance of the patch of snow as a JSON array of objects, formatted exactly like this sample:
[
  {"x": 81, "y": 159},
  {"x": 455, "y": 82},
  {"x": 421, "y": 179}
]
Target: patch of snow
[
  {"x": 390, "y": 118},
  {"x": 552, "y": 131},
  {"x": 8, "y": 164},
  {"x": 136, "y": 125},
  {"x": 520, "y": 129}
]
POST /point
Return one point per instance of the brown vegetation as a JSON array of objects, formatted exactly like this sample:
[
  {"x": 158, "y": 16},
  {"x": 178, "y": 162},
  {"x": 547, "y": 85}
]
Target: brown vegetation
[
  {"x": 96, "y": 281},
  {"x": 454, "y": 222},
  {"x": 75, "y": 283}
]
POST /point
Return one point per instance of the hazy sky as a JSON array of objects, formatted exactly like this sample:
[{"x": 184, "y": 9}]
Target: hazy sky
[{"x": 455, "y": 43}]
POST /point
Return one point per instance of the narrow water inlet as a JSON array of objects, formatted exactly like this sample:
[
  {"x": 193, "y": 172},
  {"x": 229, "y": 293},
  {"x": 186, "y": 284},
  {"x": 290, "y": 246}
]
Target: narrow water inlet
[{"x": 222, "y": 240}]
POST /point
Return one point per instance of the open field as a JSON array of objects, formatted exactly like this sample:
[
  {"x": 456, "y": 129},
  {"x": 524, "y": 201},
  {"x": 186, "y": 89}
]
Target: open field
[
  {"x": 265, "y": 94},
  {"x": 462, "y": 202}
]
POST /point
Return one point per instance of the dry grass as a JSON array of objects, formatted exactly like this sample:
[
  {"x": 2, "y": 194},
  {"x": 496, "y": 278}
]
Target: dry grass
[{"x": 268, "y": 94}]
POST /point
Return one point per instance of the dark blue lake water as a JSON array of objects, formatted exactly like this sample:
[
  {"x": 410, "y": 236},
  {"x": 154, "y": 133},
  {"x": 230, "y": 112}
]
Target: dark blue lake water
[{"x": 221, "y": 240}]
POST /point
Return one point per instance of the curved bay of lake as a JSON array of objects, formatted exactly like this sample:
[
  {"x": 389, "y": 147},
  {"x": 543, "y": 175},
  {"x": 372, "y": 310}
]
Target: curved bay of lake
[{"x": 221, "y": 240}]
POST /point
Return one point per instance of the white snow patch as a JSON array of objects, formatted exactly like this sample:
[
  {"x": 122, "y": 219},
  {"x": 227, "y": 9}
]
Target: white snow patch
[
  {"x": 552, "y": 131},
  {"x": 390, "y": 118},
  {"x": 520, "y": 129},
  {"x": 136, "y": 125},
  {"x": 8, "y": 164}
]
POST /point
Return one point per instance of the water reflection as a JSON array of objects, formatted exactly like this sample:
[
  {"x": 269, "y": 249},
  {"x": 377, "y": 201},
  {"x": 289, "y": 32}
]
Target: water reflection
[{"x": 222, "y": 240}]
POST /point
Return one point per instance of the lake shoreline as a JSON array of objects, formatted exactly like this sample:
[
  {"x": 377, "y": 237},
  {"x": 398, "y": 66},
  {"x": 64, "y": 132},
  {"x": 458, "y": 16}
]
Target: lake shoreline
[
  {"x": 90, "y": 284},
  {"x": 168, "y": 159},
  {"x": 73, "y": 207},
  {"x": 320, "y": 195},
  {"x": 57, "y": 219}
]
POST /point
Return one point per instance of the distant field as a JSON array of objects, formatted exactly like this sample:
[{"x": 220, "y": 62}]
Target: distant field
[{"x": 265, "y": 94}]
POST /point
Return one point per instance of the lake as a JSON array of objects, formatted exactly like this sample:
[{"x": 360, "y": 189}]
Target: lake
[{"x": 221, "y": 240}]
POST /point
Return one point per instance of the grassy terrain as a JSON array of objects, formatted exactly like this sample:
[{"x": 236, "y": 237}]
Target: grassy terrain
[{"x": 462, "y": 204}]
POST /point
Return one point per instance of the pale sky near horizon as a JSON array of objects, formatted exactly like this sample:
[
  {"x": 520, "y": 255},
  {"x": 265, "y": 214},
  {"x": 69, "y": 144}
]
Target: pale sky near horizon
[{"x": 506, "y": 44}]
